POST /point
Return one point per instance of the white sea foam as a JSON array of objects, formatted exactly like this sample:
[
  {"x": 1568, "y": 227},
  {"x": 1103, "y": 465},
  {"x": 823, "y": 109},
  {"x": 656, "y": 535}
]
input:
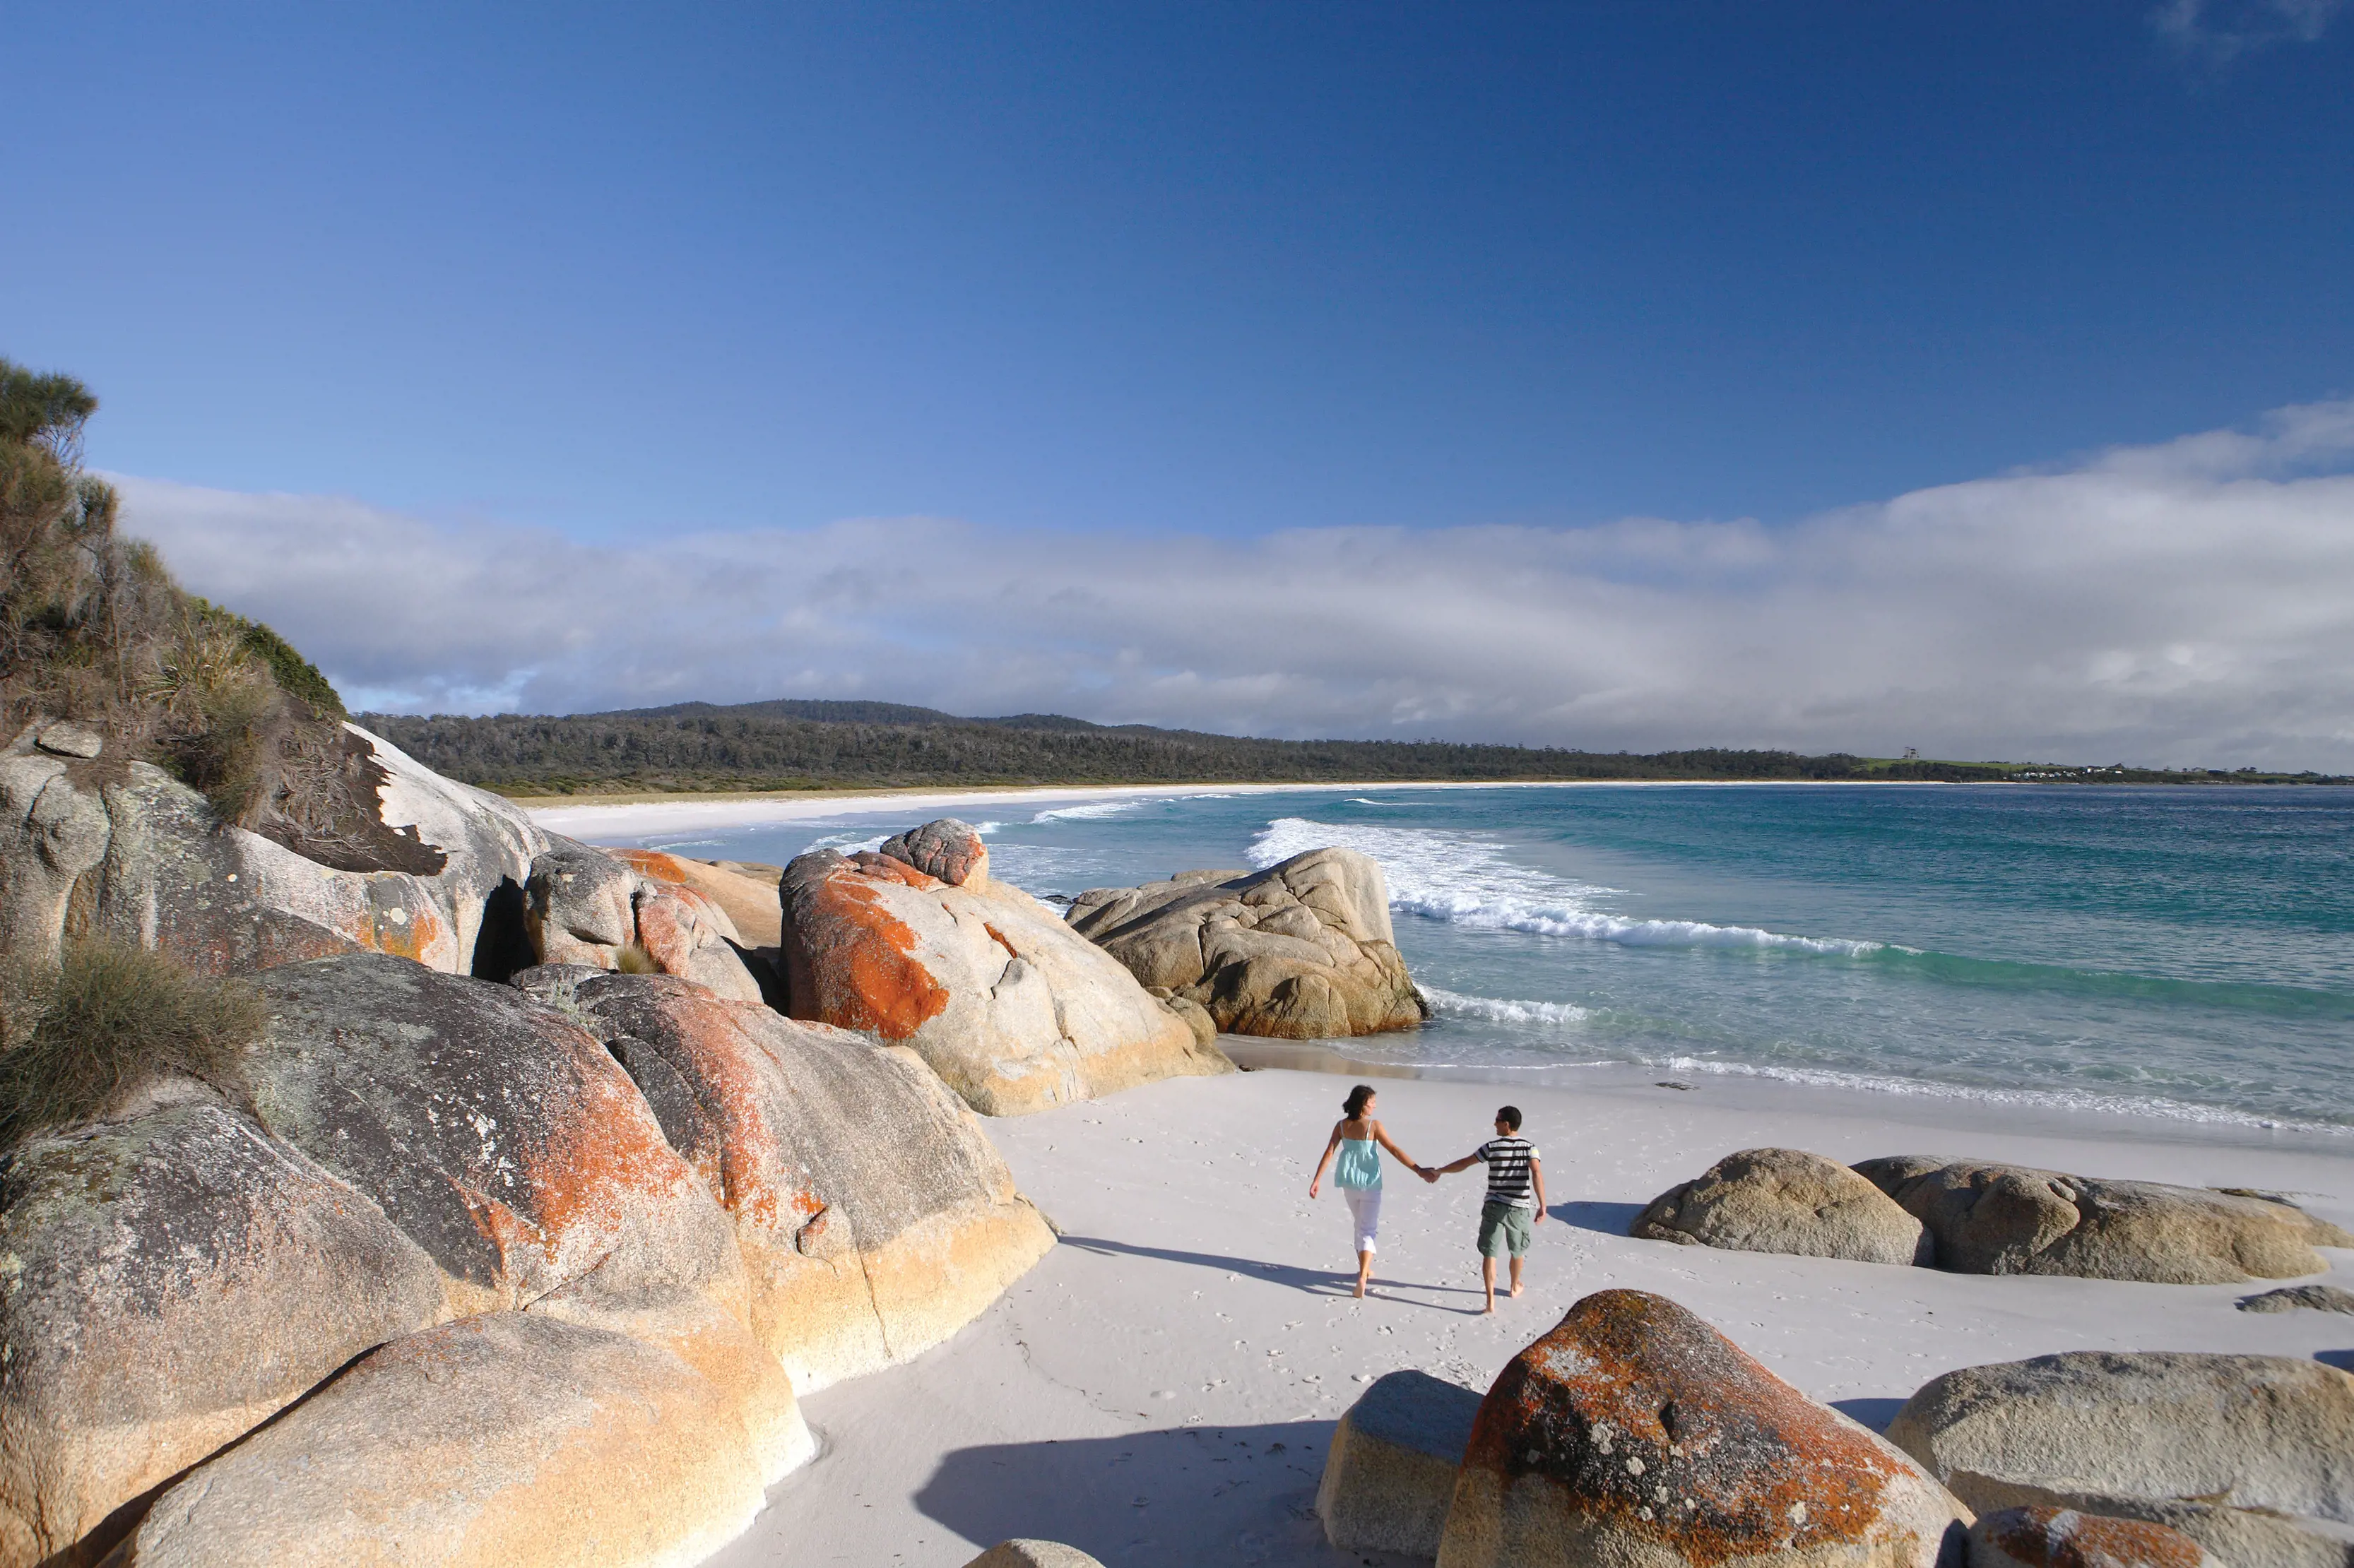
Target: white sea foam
[
  {"x": 1088, "y": 812},
  {"x": 1469, "y": 879},
  {"x": 1929, "y": 1088},
  {"x": 1496, "y": 1010},
  {"x": 848, "y": 843}
]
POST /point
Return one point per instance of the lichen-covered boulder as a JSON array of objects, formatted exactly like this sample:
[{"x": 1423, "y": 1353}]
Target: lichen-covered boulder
[
  {"x": 2012, "y": 1219},
  {"x": 2090, "y": 1429},
  {"x": 511, "y": 1440},
  {"x": 2063, "y": 1538},
  {"x": 585, "y": 906},
  {"x": 1785, "y": 1200},
  {"x": 745, "y": 893},
  {"x": 425, "y": 869},
  {"x": 1304, "y": 950},
  {"x": 1636, "y": 1436},
  {"x": 873, "y": 1218},
  {"x": 167, "y": 1283},
  {"x": 496, "y": 1132},
  {"x": 1389, "y": 1477},
  {"x": 948, "y": 850},
  {"x": 1014, "y": 1010}
]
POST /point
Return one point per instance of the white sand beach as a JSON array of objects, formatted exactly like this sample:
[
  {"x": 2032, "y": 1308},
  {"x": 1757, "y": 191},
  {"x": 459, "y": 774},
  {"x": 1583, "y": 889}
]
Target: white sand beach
[
  {"x": 628, "y": 821},
  {"x": 1162, "y": 1388}
]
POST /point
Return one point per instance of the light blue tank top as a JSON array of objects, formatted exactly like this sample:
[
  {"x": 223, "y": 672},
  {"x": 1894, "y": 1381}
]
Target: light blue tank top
[{"x": 1360, "y": 1163}]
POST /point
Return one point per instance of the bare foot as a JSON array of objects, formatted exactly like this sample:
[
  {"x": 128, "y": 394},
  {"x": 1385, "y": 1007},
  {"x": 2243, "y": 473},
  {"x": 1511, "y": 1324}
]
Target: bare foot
[
  {"x": 1491, "y": 1310},
  {"x": 1516, "y": 1287},
  {"x": 1360, "y": 1293}
]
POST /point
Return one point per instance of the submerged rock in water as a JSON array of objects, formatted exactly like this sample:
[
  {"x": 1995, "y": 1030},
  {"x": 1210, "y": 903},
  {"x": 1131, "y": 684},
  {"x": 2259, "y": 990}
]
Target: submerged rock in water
[
  {"x": 1013, "y": 1010},
  {"x": 1304, "y": 950},
  {"x": 1787, "y": 1201},
  {"x": 1636, "y": 1433}
]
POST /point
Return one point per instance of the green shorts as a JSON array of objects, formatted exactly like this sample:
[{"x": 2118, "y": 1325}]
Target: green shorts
[{"x": 1502, "y": 1225}]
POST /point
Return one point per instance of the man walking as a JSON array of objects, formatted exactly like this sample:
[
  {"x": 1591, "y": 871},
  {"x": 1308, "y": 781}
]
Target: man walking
[{"x": 1516, "y": 1197}]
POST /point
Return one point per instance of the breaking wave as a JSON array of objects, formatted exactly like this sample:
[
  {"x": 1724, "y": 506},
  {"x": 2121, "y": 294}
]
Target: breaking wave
[{"x": 1469, "y": 880}]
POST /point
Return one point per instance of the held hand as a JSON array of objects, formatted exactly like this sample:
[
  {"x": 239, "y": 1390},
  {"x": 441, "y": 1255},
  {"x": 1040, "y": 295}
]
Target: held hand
[{"x": 1428, "y": 1173}]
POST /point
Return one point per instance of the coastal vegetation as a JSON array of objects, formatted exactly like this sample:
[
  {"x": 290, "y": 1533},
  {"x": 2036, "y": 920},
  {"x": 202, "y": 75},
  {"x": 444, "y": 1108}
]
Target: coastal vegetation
[
  {"x": 808, "y": 745},
  {"x": 94, "y": 630},
  {"x": 78, "y": 1038}
]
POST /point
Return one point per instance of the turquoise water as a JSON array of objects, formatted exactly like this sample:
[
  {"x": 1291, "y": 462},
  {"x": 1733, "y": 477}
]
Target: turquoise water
[{"x": 2188, "y": 952}]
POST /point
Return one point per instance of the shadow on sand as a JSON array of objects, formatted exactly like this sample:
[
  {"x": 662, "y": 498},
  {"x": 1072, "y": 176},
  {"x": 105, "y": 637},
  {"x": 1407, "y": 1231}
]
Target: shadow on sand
[
  {"x": 1602, "y": 1218},
  {"x": 1875, "y": 1414},
  {"x": 1186, "y": 1494},
  {"x": 1309, "y": 1281}
]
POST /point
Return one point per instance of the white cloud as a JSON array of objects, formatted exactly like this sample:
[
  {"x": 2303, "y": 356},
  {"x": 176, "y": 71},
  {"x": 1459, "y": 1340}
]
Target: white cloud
[
  {"x": 2190, "y": 602},
  {"x": 2220, "y": 31}
]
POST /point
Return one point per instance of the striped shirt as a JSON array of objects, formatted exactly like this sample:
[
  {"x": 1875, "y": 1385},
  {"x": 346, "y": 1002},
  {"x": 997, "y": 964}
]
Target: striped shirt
[{"x": 1507, "y": 1159}]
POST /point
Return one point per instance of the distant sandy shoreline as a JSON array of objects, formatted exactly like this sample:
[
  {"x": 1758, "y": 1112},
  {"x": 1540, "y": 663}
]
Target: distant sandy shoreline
[{"x": 587, "y": 817}]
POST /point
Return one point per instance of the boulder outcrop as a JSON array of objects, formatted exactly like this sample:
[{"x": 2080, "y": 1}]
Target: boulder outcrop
[
  {"x": 2313, "y": 1297},
  {"x": 2227, "y": 1449},
  {"x": 171, "y": 1281},
  {"x": 1389, "y": 1477},
  {"x": 1013, "y": 1011},
  {"x": 119, "y": 848},
  {"x": 1787, "y": 1201},
  {"x": 2063, "y": 1538},
  {"x": 2011, "y": 1218},
  {"x": 585, "y": 906},
  {"x": 497, "y": 1133},
  {"x": 1635, "y": 1434},
  {"x": 1032, "y": 1554},
  {"x": 510, "y": 1440},
  {"x": 1304, "y": 950},
  {"x": 874, "y": 1218}
]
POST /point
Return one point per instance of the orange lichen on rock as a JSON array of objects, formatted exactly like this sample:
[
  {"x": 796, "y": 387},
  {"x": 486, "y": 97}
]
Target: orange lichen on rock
[
  {"x": 868, "y": 972},
  {"x": 1636, "y": 1420},
  {"x": 2063, "y": 1538}
]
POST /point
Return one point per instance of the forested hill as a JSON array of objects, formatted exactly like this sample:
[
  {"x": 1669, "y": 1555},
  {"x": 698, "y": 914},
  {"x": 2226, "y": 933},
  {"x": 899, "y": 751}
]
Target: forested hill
[{"x": 790, "y": 744}]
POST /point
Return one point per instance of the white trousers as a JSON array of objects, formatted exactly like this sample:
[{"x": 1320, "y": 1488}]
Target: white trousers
[{"x": 1364, "y": 1213}]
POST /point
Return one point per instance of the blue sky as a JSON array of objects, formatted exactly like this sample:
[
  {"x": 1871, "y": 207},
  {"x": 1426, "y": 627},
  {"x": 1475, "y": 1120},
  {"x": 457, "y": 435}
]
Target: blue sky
[{"x": 1153, "y": 274}]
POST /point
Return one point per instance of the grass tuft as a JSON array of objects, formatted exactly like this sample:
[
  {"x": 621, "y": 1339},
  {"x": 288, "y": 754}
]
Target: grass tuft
[
  {"x": 108, "y": 1019},
  {"x": 636, "y": 960}
]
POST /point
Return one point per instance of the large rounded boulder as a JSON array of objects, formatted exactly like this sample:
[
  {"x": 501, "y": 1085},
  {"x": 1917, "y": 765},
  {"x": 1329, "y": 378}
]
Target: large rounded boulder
[
  {"x": 510, "y": 1440},
  {"x": 1304, "y": 950},
  {"x": 405, "y": 862},
  {"x": 1990, "y": 1218},
  {"x": 2087, "y": 1429},
  {"x": 873, "y": 1218},
  {"x": 1014, "y": 1010},
  {"x": 173, "y": 1280},
  {"x": 1636, "y": 1436},
  {"x": 1785, "y": 1200}
]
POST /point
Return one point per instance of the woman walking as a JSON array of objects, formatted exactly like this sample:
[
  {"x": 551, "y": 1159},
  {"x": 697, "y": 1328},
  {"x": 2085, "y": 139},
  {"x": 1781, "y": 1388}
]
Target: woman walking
[{"x": 1355, "y": 1137}]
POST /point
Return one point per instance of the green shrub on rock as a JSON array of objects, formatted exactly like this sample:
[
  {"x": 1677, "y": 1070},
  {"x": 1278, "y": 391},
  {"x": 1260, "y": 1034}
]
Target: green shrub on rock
[{"x": 78, "y": 1038}]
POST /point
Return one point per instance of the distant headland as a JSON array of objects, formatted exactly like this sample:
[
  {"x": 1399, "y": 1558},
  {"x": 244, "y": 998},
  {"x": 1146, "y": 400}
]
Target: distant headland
[{"x": 793, "y": 745}]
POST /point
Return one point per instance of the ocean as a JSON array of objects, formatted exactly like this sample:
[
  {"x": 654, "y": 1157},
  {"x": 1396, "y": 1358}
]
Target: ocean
[{"x": 2185, "y": 953}]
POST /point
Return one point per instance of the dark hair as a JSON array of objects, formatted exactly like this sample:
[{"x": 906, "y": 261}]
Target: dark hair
[
  {"x": 1510, "y": 1116},
  {"x": 1355, "y": 1104}
]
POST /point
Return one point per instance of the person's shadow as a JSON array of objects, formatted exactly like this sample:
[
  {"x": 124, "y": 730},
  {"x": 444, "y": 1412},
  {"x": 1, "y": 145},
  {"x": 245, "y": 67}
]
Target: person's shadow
[{"x": 1309, "y": 1281}]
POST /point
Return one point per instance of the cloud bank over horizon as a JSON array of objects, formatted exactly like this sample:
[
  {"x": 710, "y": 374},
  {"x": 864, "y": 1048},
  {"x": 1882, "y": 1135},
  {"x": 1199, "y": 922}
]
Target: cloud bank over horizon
[{"x": 2185, "y": 603}]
